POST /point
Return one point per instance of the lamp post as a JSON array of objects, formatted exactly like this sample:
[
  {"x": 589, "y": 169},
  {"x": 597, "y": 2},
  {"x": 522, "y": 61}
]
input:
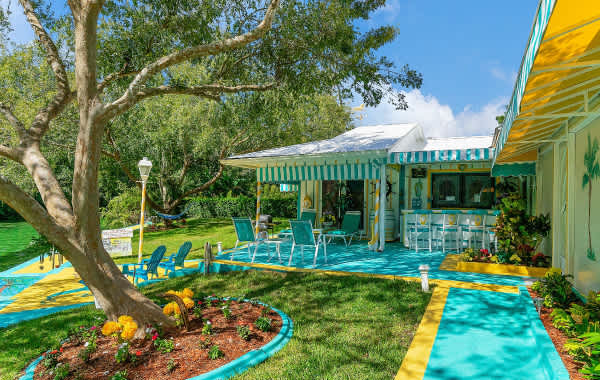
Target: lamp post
[{"x": 144, "y": 165}]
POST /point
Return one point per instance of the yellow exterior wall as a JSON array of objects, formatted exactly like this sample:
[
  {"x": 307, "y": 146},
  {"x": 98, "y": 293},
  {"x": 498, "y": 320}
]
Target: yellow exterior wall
[{"x": 585, "y": 271}]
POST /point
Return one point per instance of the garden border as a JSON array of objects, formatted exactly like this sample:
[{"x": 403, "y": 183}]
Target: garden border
[{"x": 235, "y": 367}]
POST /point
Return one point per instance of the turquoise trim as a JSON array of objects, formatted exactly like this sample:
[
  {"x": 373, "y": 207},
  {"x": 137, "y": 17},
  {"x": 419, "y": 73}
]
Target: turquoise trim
[
  {"x": 469, "y": 212},
  {"x": 8, "y": 319},
  {"x": 513, "y": 170},
  {"x": 543, "y": 14},
  {"x": 435, "y": 156},
  {"x": 235, "y": 367}
]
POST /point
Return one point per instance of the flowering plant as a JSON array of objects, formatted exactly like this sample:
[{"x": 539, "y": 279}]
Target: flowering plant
[
  {"x": 328, "y": 217},
  {"x": 124, "y": 328}
]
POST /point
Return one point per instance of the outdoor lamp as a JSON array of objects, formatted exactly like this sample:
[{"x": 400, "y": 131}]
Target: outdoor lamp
[{"x": 145, "y": 166}]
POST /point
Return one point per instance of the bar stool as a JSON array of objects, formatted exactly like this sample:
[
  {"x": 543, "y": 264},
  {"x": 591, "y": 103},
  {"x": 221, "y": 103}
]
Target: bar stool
[
  {"x": 477, "y": 228},
  {"x": 450, "y": 227},
  {"x": 419, "y": 230},
  {"x": 437, "y": 222},
  {"x": 490, "y": 232}
]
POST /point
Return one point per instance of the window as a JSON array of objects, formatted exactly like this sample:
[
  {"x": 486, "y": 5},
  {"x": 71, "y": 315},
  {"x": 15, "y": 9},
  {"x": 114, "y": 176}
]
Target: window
[{"x": 462, "y": 190}]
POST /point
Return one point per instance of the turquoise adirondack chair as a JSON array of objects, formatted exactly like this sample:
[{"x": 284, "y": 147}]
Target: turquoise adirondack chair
[
  {"x": 349, "y": 228},
  {"x": 176, "y": 259},
  {"x": 246, "y": 234},
  {"x": 151, "y": 265},
  {"x": 302, "y": 235}
]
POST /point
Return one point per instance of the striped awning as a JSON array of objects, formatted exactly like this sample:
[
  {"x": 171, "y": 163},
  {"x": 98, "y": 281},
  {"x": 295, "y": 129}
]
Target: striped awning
[
  {"x": 559, "y": 79},
  {"x": 514, "y": 169},
  {"x": 483, "y": 154},
  {"x": 293, "y": 173},
  {"x": 288, "y": 187}
]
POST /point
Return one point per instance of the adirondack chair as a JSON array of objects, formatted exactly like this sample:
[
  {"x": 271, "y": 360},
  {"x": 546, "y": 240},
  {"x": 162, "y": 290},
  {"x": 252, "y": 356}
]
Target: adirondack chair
[
  {"x": 302, "y": 235},
  {"x": 349, "y": 228},
  {"x": 246, "y": 234},
  {"x": 176, "y": 259},
  {"x": 151, "y": 265}
]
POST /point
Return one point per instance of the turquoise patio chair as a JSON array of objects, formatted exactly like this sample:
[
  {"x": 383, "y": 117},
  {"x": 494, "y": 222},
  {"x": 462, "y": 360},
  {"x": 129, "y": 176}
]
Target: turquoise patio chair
[
  {"x": 177, "y": 259},
  {"x": 302, "y": 235},
  {"x": 309, "y": 216},
  {"x": 246, "y": 234},
  {"x": 349, "y": 228},
  {"x": 151, "y": 265}
]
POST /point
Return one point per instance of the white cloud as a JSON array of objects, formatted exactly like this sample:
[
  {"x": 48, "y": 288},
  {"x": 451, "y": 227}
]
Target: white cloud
[{"x": 438, "y": 120}]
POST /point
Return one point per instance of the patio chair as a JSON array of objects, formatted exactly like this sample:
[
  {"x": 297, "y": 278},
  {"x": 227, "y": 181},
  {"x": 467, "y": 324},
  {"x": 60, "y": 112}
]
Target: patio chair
[
  {"x": 176, "y": 259},
  {"x": 246, "y": 234},
  {"x": 151, "y": 266},
  {"x": 419, "y": 229},
  {"x": 302, "y": 235},
  {"x": 307, "y": 215},
  {"x": 349, "y": 228}
]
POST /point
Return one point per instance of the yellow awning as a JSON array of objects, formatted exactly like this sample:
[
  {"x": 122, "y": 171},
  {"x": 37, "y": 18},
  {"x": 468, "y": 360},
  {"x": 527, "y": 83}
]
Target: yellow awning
[{"x": 557, "y": 81}]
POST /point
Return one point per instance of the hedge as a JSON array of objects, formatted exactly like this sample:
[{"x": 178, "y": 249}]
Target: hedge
[{"x": 227, "y": 207}]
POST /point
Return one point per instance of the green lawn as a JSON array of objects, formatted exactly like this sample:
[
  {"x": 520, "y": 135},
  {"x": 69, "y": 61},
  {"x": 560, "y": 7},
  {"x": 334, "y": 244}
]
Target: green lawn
[
  {"x": 16, "y": 244},
  {"x": 344, "y": 327},
  {"x": 198, "y": 231}
]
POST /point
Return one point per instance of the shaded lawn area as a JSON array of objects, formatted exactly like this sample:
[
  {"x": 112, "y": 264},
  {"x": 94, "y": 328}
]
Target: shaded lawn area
[
  {"x": 18, "y": 244},
  {"x": 196, "y": 230},
  {"x": 344, "y": 327}
]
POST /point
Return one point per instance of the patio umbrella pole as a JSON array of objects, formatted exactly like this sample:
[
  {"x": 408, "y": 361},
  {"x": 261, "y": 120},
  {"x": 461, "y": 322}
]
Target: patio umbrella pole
[
  {"x": 375, "y": 228},
  {"x": 382, "y": 206}
]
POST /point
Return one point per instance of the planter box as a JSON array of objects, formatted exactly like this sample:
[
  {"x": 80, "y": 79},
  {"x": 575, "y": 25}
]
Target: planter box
[{"x": 503, "y": 269}]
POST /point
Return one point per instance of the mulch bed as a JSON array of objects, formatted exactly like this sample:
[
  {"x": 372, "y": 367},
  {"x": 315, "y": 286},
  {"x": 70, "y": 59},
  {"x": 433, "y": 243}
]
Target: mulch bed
[
  {"x": 559, "y": 339},
  {"x": 191, "y": 360}
]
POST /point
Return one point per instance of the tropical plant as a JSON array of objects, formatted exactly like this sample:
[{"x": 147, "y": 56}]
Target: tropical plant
[
  {"x": 556, "y": 289},
  {"x": 519, "y": 233},
  {"x": 592, "y": 368},
  {"x": 592, "y": 172},
  {"x": 215, "y": 353},
  {"x": 263, "y": 323}
]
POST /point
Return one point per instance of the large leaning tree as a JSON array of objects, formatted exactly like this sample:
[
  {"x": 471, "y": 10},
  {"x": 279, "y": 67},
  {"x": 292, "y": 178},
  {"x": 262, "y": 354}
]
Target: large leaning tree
[{"x": 107, "y": 56}]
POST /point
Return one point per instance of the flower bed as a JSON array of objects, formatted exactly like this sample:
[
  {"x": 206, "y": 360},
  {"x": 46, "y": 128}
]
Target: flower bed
[
  {"x": 220, "y": 331},
  {"x": 573, "y": 326},
  {"x": 482, "y": 261}
]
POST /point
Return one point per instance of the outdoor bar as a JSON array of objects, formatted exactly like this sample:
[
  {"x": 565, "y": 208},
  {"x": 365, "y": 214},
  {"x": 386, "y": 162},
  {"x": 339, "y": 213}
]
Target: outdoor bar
[{"x": 400, "y": 181}]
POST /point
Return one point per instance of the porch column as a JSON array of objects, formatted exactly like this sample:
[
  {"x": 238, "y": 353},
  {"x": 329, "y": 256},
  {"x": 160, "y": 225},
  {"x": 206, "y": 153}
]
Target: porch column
[
  {"x": 258, "y": 192},
  {"x": 375, "y": 230},
  {"x": 382, "y": 205}
]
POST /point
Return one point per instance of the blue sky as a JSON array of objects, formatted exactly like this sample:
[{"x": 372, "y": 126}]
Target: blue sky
[{"x": 468, "y": 51}]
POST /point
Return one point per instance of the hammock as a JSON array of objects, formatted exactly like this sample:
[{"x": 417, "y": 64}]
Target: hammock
[{"x": 172, "y": 217}]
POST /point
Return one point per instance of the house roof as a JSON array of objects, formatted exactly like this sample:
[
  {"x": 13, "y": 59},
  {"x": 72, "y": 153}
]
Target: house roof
[
  {"x": 360, "y": 139},
  {"x": 457, "y": 143}
]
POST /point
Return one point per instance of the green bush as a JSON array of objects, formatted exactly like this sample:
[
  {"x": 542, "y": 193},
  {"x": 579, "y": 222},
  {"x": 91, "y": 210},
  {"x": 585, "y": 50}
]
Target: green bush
[
  {"x": 556, "y": 289},
  {"x": 123, "y": 210},
  {"x": 284, "y": 206}
]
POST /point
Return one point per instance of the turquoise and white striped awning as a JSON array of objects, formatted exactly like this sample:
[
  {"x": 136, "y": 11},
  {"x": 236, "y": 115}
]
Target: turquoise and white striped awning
[
  {"x": 293, "y": 173},
  {"x": 431, "y": 156},
  {"x": 288, "y": 187}
]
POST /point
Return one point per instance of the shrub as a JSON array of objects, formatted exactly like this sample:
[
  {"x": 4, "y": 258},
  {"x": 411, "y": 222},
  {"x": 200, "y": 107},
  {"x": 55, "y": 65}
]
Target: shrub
[
  {"x": 123, "y": 210},
  {"x": 207, "y": 328},
  {"x": 121, "y": 375},
  {"x": 244, "y": 332},
  {"x": 225, "y": 207},
  {"x": 123, "y": 355},
  {"x": 263, "y": 323},
  {"x": 61, "y": 371},
  {"x": 215, "y": 353},
  {"x": 164, "y": 345},
  {"x": 591, "y": 342},
  {"x": 226, "y": 312},
  {"x": 556, "y": 289}
]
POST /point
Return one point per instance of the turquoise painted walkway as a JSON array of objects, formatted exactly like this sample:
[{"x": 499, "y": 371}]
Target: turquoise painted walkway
[{"x": 491, "y": 335}]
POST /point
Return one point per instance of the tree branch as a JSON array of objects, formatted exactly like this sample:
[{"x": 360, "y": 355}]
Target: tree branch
[
  {"x": 130, "y": 96},
  {"x": 10, "y": 153},
  {"x": 13, "y": 120},
  {"x": 30, "y": 209},
  {"x": 209, "y": 91},
  {"x": 63, "y": 93}
]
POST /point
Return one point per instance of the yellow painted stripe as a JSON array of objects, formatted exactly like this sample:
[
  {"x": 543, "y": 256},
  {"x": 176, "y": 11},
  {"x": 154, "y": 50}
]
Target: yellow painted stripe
[
  {"x": 441, "y": 283},
  {"x": 35, "y": 267},
  {"x": 416, "y": 359}
]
